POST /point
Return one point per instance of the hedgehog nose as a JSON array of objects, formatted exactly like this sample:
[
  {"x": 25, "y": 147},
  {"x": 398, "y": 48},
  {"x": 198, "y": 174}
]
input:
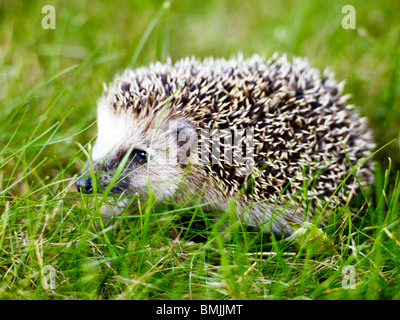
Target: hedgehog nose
[{"x": 84, "y": 185}]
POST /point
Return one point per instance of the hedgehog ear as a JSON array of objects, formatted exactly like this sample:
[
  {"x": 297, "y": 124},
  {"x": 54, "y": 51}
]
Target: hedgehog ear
[
  {"x": 184, "y": 133},
  {"x": 183, "y": 130}
]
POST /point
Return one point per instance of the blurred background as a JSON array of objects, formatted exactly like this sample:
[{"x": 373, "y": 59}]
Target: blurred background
[{"x": 51, "y": 79}]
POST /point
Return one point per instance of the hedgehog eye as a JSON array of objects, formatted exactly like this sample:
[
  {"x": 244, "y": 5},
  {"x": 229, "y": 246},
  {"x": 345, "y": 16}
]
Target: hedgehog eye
[{"x": 139, "y": 155}]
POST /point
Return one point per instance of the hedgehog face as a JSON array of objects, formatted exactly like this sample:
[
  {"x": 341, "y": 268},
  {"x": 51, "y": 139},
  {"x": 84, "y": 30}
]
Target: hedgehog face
[{"x": 151, "y": 152}]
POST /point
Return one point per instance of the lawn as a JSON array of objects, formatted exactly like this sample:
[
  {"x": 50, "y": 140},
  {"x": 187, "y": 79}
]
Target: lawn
[{"x": 53, "y": 244}]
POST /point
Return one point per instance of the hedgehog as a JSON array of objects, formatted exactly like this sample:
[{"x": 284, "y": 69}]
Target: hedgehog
[{"x": 271, "y": 138}]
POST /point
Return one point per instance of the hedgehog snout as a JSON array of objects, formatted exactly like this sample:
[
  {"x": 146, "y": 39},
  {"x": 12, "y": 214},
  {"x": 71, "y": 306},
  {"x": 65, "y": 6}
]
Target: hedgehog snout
[{"x": 84, "y": 185}]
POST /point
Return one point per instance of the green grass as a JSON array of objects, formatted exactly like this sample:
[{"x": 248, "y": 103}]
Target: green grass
[{"x": 49, "y": 84}]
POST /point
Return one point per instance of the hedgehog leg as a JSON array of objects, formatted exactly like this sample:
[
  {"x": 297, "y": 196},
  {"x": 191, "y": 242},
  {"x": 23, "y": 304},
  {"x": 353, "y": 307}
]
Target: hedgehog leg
[{"x": 271, "y": 218}]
